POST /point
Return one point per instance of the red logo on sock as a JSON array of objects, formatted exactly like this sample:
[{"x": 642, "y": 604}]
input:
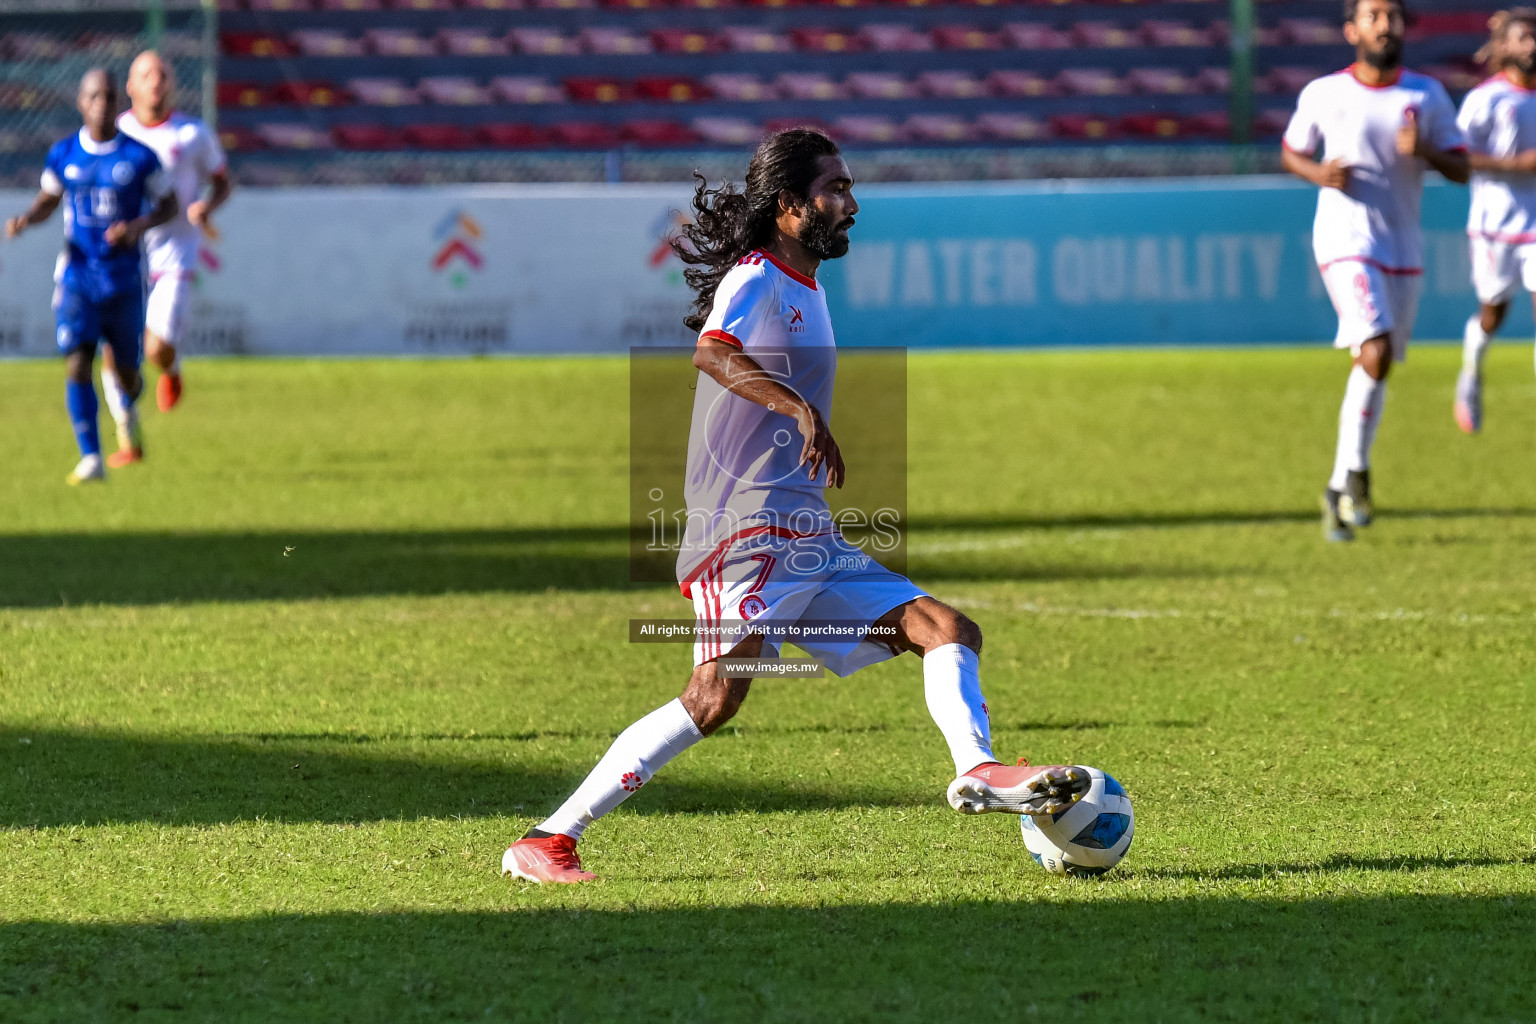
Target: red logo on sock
[{"x": 631, "y": 782}]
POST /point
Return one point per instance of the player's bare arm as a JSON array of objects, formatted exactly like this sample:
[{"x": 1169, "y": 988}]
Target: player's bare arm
[
  {"x": 128, "y": 232},
  {"x": 742, "y": 375},
  {"x": 41, "y": 209},
  {"x": 199, "y": 211},
  {"x": 1453, "y": 165},
  {"x": 1333, "y": 174}
]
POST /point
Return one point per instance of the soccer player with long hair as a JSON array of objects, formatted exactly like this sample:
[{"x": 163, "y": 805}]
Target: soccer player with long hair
[
  {"x": 1499, "y": 120},
  {"x": 761, "y": 551},
  {"x": 1365, "y": 136}
]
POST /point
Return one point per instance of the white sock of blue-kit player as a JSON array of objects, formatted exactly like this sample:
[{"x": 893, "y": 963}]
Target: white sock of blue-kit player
[
  {"x": 1474, "y": 343},
  {"x": 952, "y": 687},
  {"x": 638, "y": 753},
  {"x": 117, "y": 398},
  {"x": 1359, "y": 416}
]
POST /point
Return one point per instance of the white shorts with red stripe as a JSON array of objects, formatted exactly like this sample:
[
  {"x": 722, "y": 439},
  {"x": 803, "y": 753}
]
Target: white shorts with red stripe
[
  {"x": 1373, "y": 300},
  {"x": 818, "y": 592},
  {"x": 165, "y": 311},
  {"x": 1501, "y": 267}
]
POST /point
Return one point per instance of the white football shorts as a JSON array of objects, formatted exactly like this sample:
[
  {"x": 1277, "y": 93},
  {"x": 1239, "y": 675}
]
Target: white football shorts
[
  {"x": 1499, "y": 269},
  {"x": 165, "y": 312},
  {"x": 1370, "y": 302},
  {"x": 820, "y": 593}
]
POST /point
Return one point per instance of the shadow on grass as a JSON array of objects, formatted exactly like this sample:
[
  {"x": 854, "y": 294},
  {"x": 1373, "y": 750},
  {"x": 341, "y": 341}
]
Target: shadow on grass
[
  {"x": 1418, "y": 957},
  {"x": 1336, "y": 864},
  {"x": 52, "y": 778}
]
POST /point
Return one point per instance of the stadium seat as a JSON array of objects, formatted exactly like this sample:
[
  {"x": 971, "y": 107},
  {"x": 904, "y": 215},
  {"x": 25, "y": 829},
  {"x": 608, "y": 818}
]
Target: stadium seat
[
  {"x": 253, "y": 44},
  {"x": 634, "y": 5},
  {"x": 1213, "y": 124},
  {"x": 471, "y": 42},
  {"x": 279, "y": 6},
  {"x": 1083, "y": 126},
  {"x": 658, "y": 133},
  {"x": 808, "y": 85},
  {"x": 894, "y": 38},
  {"x": 36, "y": 46},
  {"x": 1456, "y": 78},
  {"x": 1272, "y": 121},
  {"x": 1427, "y": 24},
  {"x": 824, "y": 40},
  {"x": 350, "y": 5},
  {"x": 367, "y": 136},
  {"x": 679, "y": 40},
  {"x": 562, "y": 5},
  {"x": 1310, "y": 31},
  {"x": 422, "y": 5},
  {"x": 597, "y": 89},
  {"x": 740, "y": 88},
  {"x": 399, "y": 42},
  {"x": 703, "y": 5},
  {"x": 670, "y": 89},
  {"x": 866, "y": 129},
  {"x": 453, "y": 90},
  {"x": 1169, "y": 32},
  {"x": 938, "y": 128},
  {"x": 1160, "y": 81},
  {"x": 772, "y": 3},
  {"x": 952, "y": 85},
  {"x": 439, "y": 136},
  {"x": 239, "y": 140},
  {"x": 879, "y": 85},
  {"x": 1103, "y": 35},
  {"x": 1011, "y": 127},
  {"x": 1089, "y": 82},
  {"x": 752, "y": 39},
  {"x": 1285, "y": 80},
  {"x": 294, "y": 136},
  {"x": 1031, "y": 35},
  {"x": 307, "y": 94},
  {"x": 383, "y": 92},
  {"x": 515, "y": 136},
  {"x": 586, "y": 135},
  {"x": 543, "y": 42},
  {"x": 525, "y": 89},
  {"x": 325, "y": 42},
  {"x": 1152, "y": 126},
  {"x": 610, "y": 41},
  {"x": 1020, "y": 84},
  {"x": 236, "y": 94},
  {"x": 1214, "y": 80},
  {"x": 727, "y": 131},
  {"x": 492, "y": 5},
  {"x": 966, "y": 37}
]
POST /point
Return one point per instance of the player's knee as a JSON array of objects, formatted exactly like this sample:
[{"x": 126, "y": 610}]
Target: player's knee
[
  {"x": 710, "y": 700},
  {"x": 1376, "y": 358},
  {"x": 77, "y": 366},
  {"x": 966, "y": 632},
  {"x": 953, "y": 627}
]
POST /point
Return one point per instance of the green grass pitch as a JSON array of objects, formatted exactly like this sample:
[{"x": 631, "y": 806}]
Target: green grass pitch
[{"x": 273, "y": 703}]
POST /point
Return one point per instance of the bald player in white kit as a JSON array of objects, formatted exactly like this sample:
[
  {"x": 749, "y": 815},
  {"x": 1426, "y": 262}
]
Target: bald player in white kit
[
  {"x": 1378, "y": 127},
  {"x": 195, "y": 164},
  {"x": 761, "y": 552}
]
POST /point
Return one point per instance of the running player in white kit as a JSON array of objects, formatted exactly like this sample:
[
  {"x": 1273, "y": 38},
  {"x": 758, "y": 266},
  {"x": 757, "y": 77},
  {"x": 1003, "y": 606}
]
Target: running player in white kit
[
  {"x": 1499, "y": 120},
  {"x": 1378, "y": 126},
  {"x": 194, "y": 160},
  {"x": 761, "y": 551}
]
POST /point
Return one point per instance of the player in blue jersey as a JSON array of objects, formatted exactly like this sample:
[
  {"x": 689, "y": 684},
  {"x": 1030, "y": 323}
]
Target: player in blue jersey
[{"x": 112, "y": 190}]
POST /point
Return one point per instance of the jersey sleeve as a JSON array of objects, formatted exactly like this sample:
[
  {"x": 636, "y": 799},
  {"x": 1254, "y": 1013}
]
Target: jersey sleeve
[
  {"x": 1439, "y": 116},
  {"x": 156, "y": 182},
  {"x": 53, "y": 172},
  {"x": 1304, "y": 134},
  {"x": 211, "y": 158},
  {"x": 1475, "y": 121},
  {"x": 742, "y": 302}
]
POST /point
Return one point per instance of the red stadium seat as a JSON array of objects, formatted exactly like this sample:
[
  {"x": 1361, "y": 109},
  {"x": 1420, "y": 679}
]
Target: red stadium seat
[
  {"x": 586, "y": 135},
  {"x": 740, "y": 88},
  {"x": 1286, "y": 80},
  {"x": 1214, "y": 80},
  {"x": 704, "y": 5},
  {"x": 279, "y": 6},
  {"x": 1160, "y": 82},
  {"x": 772, "y": 3},
  {"x": 808, "y": 85},
  {"x": 543, "y": 42},
  {"x": 610, "y": 41},
  {"x": 824, "y": 40},
  {"x": 938, "y": 128},
  {"x": 1104, "y": 35},
  {"x": 1168, "y": 32},
  {"x": 294, "y": 136},
  {"x": 681, "y": 40},
  {"x": 752, "y": 39},
  {"x": 727, "y": 131},
  {"x": 1311, "y": 31},
  {"x": 1083, "y": 126},
  {"x": 670, "y": 89},
  {"x": 866, "y": 129},
  {"x": 439, "y": 136},
  {"x": 1089, "y": 82},
  {"x": 966, "y": 37},
  {"x": 492, "y": 5},
  {"x": 383, "y": 92},
  {"x": 659, "y": 133},
  {"x": 325, "y": 42},
  {"x": 253, "y": 44},
  {"x": 525, "y": 89},
  {"x": 1030, "y": 35},
  {"x": 399, "y": 42},
  {"x": 239, "y": 140},
  {"x": 1020, "y": 84},
  {"x": 307, "y": 94},
  {"x": 350, "y": 5},
  {"x": 894, "y": 38},
  {"x": 453, "y": 90},
  {"x": 1012, "y": 127},
  {"x": 952, "y": 85},
  {"x": 242, "y": 94},
  {"x": 1433, "y": 23},
  {"x": 634, "y": 5},
  {"x": 1152, "y": 126},
  {"x": 880, "y": 85},
  {"x": 1272, "y": 121},
  {"x": 596, "y": 89},
  {"x": 471, "y": 42},
  {"x": 422, "y": 5},
  {"x": 563, "y": 5},
  {"x": 515, "y": 136},
  {"x": 368, "y": 137},
  {"x": 1214, "y": 124}
]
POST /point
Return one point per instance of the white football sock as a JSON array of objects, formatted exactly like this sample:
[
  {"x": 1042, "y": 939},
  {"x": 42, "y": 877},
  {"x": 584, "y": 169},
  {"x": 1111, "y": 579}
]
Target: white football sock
[
  {"x": 638, "y": 753},
  {"x": 1474, "y": 344},
  {"x": 117, "y": 398},
  {"x": 1359, "y": 416},
  {"x": 952, "y": 686}
]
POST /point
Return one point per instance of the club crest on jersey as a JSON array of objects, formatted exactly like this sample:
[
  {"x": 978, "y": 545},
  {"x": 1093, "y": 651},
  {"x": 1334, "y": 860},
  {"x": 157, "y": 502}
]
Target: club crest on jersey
[
  {"x": 751, "y": 606},
  {"x": 122, "y": 172},
  {"x": 796, "y": 321},
  {"x": 71, "y": 172}
]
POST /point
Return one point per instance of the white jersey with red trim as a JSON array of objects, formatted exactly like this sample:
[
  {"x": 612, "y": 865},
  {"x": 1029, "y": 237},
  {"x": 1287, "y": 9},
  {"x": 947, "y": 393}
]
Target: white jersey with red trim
[
  {"x": 190, "y": 154},
  {"x": 744, "y": 476},
  {"x": 1376, "y": 219},
  {"x": 1499, "y": 119}
]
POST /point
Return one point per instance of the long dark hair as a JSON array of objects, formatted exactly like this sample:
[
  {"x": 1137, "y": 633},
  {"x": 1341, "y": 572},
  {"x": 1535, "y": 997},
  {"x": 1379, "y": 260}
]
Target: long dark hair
[
  {"x": 728, "y": 224},
  {"x": 1492, "y": 53}
]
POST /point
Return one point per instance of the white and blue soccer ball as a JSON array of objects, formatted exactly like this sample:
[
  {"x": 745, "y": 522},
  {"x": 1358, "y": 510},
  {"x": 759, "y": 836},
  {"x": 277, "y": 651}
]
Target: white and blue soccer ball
[{"x": 1088, "y": 838}]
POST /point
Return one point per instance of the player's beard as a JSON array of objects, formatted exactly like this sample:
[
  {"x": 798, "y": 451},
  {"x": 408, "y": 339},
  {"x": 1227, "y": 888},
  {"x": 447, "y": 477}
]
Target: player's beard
[
  {"x": 1387, "y": 55},
  {"x": 820, "y": 239},
  {"x": 1525, "y": 65}
]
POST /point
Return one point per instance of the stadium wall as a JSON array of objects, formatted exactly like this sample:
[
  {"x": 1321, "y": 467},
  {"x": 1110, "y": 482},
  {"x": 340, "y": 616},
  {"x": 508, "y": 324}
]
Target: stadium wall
[{"x": 584, "y": 268}]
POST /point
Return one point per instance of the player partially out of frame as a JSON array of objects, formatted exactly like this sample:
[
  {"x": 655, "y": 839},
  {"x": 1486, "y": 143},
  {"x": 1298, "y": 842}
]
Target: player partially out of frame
[
  {"x": 1499, "y": 120},
  {"x": 195, "y": 165},
  {"x": 760, "y": 552},
  {"x": 1378, "y": 127},
  {"x": 113, "y": 190}
]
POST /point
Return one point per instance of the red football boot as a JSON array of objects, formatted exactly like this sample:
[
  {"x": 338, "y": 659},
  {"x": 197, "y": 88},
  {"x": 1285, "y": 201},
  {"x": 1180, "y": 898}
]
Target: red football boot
[
  {"x": 551, "y": 859},
  {"x": 168, "y": 391},
  {"x": 1018, "y": 789}
]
